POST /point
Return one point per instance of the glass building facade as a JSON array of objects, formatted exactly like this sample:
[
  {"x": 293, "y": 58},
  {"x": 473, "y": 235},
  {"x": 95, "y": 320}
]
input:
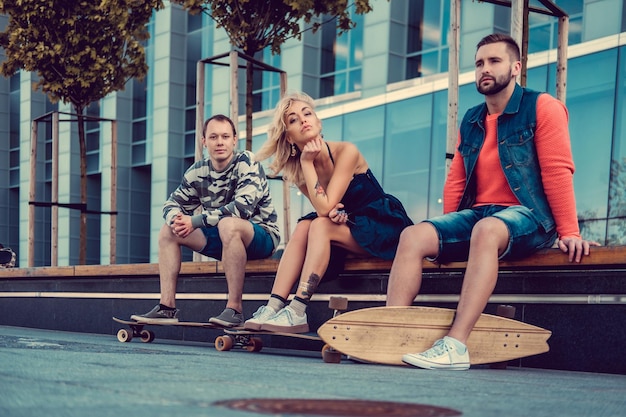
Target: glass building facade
[{"x": 383, "y": 86}]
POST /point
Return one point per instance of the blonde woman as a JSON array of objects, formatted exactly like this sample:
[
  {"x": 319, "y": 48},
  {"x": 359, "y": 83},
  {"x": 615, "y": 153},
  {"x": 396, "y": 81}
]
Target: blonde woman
[{"x": 351, "y": 210}]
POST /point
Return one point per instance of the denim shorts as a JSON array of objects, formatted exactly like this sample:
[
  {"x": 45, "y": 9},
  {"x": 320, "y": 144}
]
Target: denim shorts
[
  {"x": 262, "y": 245},
  {"x": 526, "y": 235}
]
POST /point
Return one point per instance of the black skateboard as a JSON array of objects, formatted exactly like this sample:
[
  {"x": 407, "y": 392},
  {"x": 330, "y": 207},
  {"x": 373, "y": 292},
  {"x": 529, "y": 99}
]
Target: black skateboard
[{"x": 136, "y": 328}]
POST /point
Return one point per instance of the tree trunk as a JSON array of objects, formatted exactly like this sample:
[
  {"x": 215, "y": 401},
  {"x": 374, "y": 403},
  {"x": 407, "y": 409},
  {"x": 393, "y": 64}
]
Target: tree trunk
[
  {"x": 82, "y": 255},
  {"x": 249, "y": 101}
]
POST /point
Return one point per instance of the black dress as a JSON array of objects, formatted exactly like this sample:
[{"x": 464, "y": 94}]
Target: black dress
[{"x": 376, "y": 219}]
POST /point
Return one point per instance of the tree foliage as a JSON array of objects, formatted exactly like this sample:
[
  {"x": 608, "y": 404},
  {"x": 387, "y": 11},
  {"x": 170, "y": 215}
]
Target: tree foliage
[
  {"x": 81, "y": 51},
  {"x": 253, "y": 25}
]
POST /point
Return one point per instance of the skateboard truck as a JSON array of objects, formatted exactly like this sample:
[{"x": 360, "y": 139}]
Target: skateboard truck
[{"x": 135, "y": 330}]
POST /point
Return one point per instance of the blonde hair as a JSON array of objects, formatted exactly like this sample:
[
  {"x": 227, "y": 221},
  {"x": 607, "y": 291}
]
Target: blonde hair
[{"x": 278, "y": 145}]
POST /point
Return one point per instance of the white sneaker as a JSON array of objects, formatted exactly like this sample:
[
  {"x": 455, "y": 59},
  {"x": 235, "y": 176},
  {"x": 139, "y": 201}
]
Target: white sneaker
[
  {"x": 262, "y": 314},
  {"x": 286, "y": 321},
  {"x": 446, "y": 353}
]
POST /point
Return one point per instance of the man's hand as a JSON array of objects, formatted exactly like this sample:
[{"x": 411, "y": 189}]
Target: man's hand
[
  {"x": 576, "y": 247},
  {"x": 181, "y": 225}
]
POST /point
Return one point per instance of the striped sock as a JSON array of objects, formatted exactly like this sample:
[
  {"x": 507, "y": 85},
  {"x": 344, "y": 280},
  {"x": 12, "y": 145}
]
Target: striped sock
[
  {"x": 299, "y": 305},
  {"x": 276, "y": 302}
]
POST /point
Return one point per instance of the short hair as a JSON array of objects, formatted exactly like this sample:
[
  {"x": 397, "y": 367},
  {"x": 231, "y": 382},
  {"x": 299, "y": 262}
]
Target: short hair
[
  {"x": 219, "y": 118},
  {"x": 512, "y": 45}
]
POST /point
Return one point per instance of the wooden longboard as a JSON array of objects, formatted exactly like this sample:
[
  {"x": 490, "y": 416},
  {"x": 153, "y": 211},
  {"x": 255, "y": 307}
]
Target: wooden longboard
[{"x": 383, "y": 334}]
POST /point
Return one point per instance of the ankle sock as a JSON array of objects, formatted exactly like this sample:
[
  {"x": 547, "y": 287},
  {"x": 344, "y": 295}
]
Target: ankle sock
[
  {"x": 299, "y": 305},
  {"x": 164, "y": 307},
  {"x": 276, "y": 302}
]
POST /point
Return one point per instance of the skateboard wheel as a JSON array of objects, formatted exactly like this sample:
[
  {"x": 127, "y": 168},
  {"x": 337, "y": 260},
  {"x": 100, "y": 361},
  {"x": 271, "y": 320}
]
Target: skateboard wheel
[
  {"x": 224, "y": 343},
  {"x": 123, "y": 335},
  {"x": 338, "y": 303},
  {"x": 330, "y": 355},
  {"x": 255, "y": 345},
  {"x": 146, "y": 336}
]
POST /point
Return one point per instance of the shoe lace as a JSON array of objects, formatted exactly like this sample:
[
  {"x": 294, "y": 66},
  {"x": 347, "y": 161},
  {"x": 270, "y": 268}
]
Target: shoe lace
[
  {"x": 284, "y": 312},
  {"x": 440, "y": 347},
  {"x": 261, "y": 311}
]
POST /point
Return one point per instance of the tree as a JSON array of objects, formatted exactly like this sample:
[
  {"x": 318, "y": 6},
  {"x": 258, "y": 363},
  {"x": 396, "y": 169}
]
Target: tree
[
  {"x": 253, "y": 25},
  {"x": 81, "y": 51}
]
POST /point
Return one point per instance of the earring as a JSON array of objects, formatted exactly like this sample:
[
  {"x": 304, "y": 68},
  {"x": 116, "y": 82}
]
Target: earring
[{"x": 293, "y": 150}]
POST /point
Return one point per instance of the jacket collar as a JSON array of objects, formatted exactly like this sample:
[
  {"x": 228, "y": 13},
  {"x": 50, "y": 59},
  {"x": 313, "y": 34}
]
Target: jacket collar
[{"x": 512, "y": 106}]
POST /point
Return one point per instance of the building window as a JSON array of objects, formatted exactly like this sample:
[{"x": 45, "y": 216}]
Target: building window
[
  {"x": 194, "y": 54},
  {"x": 418, "y": 44},
  {"x": 139, "y": 122},
  {"x": 47, "y": 137},
  {"x": 427, "y": 46},
  {"x": 543, "y": 29},
  {"x": 407, "y": 153},
  {"x": 14, "y": 131},
  {"x": 341, "y": 59},
  {"x": 92, "y": 139},
  {"x": 266, "y": 84}
]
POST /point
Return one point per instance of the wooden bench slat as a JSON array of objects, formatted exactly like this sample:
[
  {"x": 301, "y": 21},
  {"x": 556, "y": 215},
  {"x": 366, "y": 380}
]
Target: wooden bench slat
[
  {"x": 38, "y": 272},
  {"x": 600, "y": 257}
]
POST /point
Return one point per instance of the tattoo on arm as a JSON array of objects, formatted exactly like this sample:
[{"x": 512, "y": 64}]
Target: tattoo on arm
[
  {"x": 309, "y": 287},
  {"x": 319, "y": 190}
]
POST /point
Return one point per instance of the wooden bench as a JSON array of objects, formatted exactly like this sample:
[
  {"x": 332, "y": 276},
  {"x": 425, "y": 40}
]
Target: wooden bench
[{"x": 600, "y": 257}]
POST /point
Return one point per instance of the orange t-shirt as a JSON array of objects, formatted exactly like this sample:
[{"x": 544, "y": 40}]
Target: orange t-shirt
[{"x": 555, "y": 159}]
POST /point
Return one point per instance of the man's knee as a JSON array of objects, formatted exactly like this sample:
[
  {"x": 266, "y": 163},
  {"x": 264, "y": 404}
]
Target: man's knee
[
  {"x": 234, "y": 228},
  {"x": 489, "y": 226},
  {"x": 166, "y": 234},
  {"x": 489, "y": 229},
  {"x": 420, "y": 237}
]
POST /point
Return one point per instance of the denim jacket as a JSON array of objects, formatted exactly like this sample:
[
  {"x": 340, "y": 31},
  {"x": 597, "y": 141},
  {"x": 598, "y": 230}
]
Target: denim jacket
[{"x": 516, "y": 148}]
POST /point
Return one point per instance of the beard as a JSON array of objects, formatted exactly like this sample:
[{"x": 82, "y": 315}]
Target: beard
[{"x": 499, "y": 84}]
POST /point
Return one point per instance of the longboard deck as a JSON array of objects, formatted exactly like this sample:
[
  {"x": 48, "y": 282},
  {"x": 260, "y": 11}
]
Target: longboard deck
[
  {"x": 383, "y": 334},
  {"x": 180, "y": 323},
  {"x": 136, "y": 328}
]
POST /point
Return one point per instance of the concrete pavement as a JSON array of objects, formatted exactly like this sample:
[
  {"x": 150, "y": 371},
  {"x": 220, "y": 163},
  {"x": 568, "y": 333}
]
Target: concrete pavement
[{"x": 52, "y": 373}]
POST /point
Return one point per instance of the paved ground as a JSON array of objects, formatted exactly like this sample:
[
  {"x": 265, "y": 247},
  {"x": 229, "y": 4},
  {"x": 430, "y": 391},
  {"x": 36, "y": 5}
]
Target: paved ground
[{"x": 49, "y": 373}]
